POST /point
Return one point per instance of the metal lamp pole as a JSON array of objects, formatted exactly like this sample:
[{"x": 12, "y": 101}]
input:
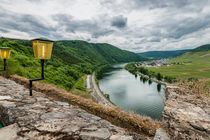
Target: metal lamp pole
[
  {"x": 5, "y": 64},
  {"x": 42, "y": 77}
]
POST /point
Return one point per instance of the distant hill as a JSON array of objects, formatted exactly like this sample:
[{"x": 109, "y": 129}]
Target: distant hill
[
  {"x": 94, "y": 53},
  {"x": 163, "y": 54},
  {"x": 70, "y": 60},
  {"x": 201, "y": 48}
]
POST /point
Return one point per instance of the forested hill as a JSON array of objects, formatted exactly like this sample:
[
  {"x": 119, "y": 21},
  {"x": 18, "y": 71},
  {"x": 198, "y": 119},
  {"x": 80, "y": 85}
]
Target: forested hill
[
  {"x": 94, "y": 53},
  {"x": 163, "y": 54},
  {"x": 70, "y": 60},
  {"x": 202, "y": 48}
]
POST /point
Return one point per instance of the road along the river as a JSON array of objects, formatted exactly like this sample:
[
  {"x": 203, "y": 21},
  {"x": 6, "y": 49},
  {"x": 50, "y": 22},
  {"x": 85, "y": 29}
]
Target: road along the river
[
  {"x": 88, "y": 82},
  {"x": 97, "y": 94}
]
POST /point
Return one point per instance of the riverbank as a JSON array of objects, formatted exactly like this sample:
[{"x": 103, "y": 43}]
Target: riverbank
[
  {"x": 152, "y": 79},
  {"x": 186, "y": 114},
  {"x": 97, "y": 94},
  {"x": 134, "y": 68}
]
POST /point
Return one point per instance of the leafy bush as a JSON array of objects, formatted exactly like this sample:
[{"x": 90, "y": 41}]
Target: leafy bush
[
  {"x": 131, "y": 67},
  {"x": 107, "y": 96},
  {"x": 159, "y": 76},
  {"x": 193, "y": 79},
  {"x": 170, "y": 79},
  {"x": 80, "y": 84}
]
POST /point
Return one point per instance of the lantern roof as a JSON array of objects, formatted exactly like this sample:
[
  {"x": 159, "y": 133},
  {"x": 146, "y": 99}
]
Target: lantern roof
[
  {"x": 42, "y": 39},
  {"x": 5, "y": 48}
]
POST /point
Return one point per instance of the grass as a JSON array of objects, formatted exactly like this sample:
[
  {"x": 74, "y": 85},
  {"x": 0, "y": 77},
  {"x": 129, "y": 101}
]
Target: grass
[
  {"x": 202, "y": 86},
  {"x": 81, "y": 93},
  {"x": 80, "y": 84},
  {"x": 80, "y": 90},
  {"x": 191, "y": 64},
  {"x": 128, "y": 120}
]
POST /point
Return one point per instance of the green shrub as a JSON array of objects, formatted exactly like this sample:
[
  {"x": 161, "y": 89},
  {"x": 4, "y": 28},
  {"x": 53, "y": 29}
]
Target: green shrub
[
  {"x": 159, "y": 76},
  {"x": 107, "y": 96},
  {"x": 193, "y": 79},
  {"x": 170, "y": 79}
]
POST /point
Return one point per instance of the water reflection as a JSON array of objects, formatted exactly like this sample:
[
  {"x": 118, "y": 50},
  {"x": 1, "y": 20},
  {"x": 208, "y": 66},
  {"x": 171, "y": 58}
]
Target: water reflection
[
  {"x": 158, "y": 87},
  {"x": 141, "y": 78},
  {"x": 144, "y": 79},
  {"x": 130, "y": 93},
  {"x": 149, "y": 82}
]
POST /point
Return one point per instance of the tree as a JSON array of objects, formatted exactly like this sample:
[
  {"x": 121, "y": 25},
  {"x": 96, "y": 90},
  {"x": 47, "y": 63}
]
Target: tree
[{"x": 159, "y": 76}]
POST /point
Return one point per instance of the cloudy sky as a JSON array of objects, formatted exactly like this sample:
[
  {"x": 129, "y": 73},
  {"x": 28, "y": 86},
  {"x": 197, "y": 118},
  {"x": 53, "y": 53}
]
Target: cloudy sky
[{"x": 135, "y": 25}]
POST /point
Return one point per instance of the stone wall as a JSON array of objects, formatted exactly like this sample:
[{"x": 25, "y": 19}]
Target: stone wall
[
  {"x": 186, "y": 115},
  {"x": 41, "y": 117},
  {"x": 128, "y": 120}
]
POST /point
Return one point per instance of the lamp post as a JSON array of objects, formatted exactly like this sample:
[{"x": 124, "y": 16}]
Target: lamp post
[
  {"x": 5, "y": 54},
  {"x": 42, "y": 51}
]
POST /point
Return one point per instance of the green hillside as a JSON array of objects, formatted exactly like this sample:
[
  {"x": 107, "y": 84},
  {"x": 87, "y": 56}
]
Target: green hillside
[
  {"x": 163, "y": 54},
  {"x": 202, "y": 48},
  {"x": 191, "y": 64},
  {"x": 192, "y": 70},
  {"x": 70, "y": 60}
]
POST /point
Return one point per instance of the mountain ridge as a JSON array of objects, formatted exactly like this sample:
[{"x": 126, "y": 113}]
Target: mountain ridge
[
  {"x": 201, "y": 48},
  {"x": 163, "y": 54}
]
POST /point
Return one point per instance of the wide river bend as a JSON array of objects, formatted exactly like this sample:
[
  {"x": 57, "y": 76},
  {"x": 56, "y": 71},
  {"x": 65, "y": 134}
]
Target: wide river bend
[{"x": 133, "y": 93}]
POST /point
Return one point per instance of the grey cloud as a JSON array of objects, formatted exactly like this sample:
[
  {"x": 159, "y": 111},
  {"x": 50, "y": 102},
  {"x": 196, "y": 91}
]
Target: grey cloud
[
  {"x": 172, "y": 28},
  {"x": 177, "y": 28},
  {"x": 172, "y": 4},
  {"x": 145, "y": 40},
  {"x": 25, "y": 23},
  {"x": 171, "y": 23},
  {"x": 119, "y": 21},
  {"x": 4, "y": 30},
  {"x": 155, "y": 40},
  {"x": 35, "y": 1},
  {"x": 104, "y": 32},
  {"x": 93, "y": 27},
  {"x": 126, "y": 6},
  {"x": 137, "y": 48},
  {"x": 141, "y": 48}
]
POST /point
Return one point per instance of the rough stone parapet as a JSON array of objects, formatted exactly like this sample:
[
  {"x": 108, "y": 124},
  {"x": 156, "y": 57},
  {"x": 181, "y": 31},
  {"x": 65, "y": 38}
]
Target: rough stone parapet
[
  {"x": 40, "y": 117},
  {"x": 186, "y": 115}
]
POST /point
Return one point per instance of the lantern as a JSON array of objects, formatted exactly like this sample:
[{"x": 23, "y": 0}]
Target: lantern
[
  {"x": 5, "y": 54},
  {"x": 42, "y": 48}
]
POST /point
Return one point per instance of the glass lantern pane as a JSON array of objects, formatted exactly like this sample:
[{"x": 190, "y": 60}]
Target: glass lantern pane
[
  {"x": 44, "y": 50},
  {"x": 35, "y": 49},
  {"x": 5, "y": 53},
  {"x": 49, "y": 49}
]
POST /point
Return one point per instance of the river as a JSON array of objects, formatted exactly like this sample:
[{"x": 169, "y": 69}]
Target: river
[{"x": 133, "y": 93}]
